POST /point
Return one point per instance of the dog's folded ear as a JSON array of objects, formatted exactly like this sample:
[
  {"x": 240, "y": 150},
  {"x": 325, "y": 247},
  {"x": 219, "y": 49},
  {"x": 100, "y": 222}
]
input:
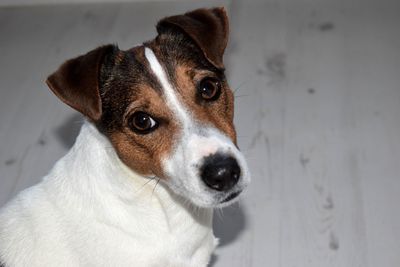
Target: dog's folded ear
[
  {"x": 76, "y": 82},
  {"x": 208, "y": 28}
]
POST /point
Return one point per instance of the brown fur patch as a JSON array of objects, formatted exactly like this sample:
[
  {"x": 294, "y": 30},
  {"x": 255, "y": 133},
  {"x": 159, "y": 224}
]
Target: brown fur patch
[
  {"x": 144, "y": 152},
  {"x": 208, "y": 28},
  {"x": 218, "y": 113}
]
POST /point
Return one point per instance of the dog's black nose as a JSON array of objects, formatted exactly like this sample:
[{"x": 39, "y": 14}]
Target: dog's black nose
[{"x": 220, "y": 172}]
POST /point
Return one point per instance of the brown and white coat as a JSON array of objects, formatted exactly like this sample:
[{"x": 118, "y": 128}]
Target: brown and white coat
[{"x": 126, "y": 195}]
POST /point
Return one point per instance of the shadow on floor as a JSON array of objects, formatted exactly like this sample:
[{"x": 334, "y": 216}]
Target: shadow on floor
[
  {"x": 228, "y": 224},
  {"x": 67, "y": 132}
]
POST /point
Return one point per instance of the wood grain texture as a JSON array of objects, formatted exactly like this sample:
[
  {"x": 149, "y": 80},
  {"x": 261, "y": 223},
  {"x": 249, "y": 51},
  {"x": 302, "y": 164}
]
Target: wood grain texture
[{"x": 317, "y": 90}]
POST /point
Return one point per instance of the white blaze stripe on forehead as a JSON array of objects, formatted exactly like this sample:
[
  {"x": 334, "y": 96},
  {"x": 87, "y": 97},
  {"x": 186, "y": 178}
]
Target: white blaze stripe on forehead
[{"x": 172, "y": 100}]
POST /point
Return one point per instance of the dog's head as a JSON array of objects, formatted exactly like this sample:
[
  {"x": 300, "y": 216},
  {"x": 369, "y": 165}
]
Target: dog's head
[{"x": 165, "y": 106}]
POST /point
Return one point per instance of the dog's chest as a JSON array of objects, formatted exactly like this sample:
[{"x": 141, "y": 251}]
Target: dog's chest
[
  {"x": 121, "y": 249},
  {"x": 145, "y": 243},
  {"x": 112, "y": 236},
  {"x": 143, "y": 235}
]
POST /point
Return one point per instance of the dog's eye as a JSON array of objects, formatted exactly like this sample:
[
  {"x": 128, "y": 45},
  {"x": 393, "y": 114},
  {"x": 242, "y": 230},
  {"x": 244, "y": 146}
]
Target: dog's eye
[
  {"x": 142, "y": 123},
  {"x": 209, "y": 89}
]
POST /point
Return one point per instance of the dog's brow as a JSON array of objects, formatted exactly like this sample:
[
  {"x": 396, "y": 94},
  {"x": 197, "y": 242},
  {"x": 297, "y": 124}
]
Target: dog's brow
[
  {"x": 142, "y": 71},
  {"x": 171, "y": 98}
]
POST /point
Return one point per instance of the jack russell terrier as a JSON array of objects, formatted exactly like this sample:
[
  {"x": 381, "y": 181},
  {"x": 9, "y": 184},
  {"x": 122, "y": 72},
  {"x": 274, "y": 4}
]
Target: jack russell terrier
[{"x": 155, "y": 156}]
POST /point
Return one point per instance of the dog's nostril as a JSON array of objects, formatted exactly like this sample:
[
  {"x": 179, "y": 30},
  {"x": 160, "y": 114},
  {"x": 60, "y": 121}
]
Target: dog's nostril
[{"x": 220, "y": 172}]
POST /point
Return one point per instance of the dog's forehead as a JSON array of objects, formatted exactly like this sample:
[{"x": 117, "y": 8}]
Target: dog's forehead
[
  {"x": 177, "y": 56},
  {"x": 176, "y": 49}
]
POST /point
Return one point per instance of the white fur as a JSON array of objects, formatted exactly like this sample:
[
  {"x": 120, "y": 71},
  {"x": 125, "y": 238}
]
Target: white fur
[
  {"x": 195, "y": 142},
  {"x": 92, "y": 210},
  {"x": 171, "y": 99}
]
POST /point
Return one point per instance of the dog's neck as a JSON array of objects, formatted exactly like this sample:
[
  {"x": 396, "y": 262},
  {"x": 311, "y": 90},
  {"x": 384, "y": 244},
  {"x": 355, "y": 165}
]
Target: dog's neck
[{"x": 98, "y": 184}]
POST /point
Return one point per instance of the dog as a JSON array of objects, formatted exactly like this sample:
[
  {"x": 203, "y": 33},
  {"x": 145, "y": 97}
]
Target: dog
[{"x": 156, "y": 154}]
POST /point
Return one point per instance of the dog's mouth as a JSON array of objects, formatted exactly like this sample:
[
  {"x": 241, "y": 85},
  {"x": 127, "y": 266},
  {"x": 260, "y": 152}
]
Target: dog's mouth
[{"x": 231, "y": 196}]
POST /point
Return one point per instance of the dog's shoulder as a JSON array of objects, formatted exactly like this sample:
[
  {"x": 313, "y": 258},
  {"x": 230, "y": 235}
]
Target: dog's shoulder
[{"x": 29, "y": 225}]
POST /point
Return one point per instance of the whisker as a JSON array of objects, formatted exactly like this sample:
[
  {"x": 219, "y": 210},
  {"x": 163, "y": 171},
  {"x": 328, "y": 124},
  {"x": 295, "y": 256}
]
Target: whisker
[
  {"x": 158, "y": 180},
  {"x": 237, "y": 205},
  {"x": 239, "y": 96},
  {"x": 146, "y": 183},
  {"x": 220, "y": 213},
  {"x": 239, "y": 87}
]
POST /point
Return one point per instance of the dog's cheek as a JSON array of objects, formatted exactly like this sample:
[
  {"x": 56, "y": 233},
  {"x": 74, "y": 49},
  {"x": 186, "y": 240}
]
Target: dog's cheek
[
  {"x": 132, "y": 155},
  {"x": 229, "y": 129},
  {"x": 218, "y": 118},
  {"x": 143, "y": 154},
  {"x": 230, "y": 105},
  {"x": 162, "y": 148},
  {"x": 226, "y": 110}
]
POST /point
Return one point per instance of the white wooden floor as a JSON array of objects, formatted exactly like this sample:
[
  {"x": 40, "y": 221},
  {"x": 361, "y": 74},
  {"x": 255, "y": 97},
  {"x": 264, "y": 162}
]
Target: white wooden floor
[{"x": 317, "y": 111}]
